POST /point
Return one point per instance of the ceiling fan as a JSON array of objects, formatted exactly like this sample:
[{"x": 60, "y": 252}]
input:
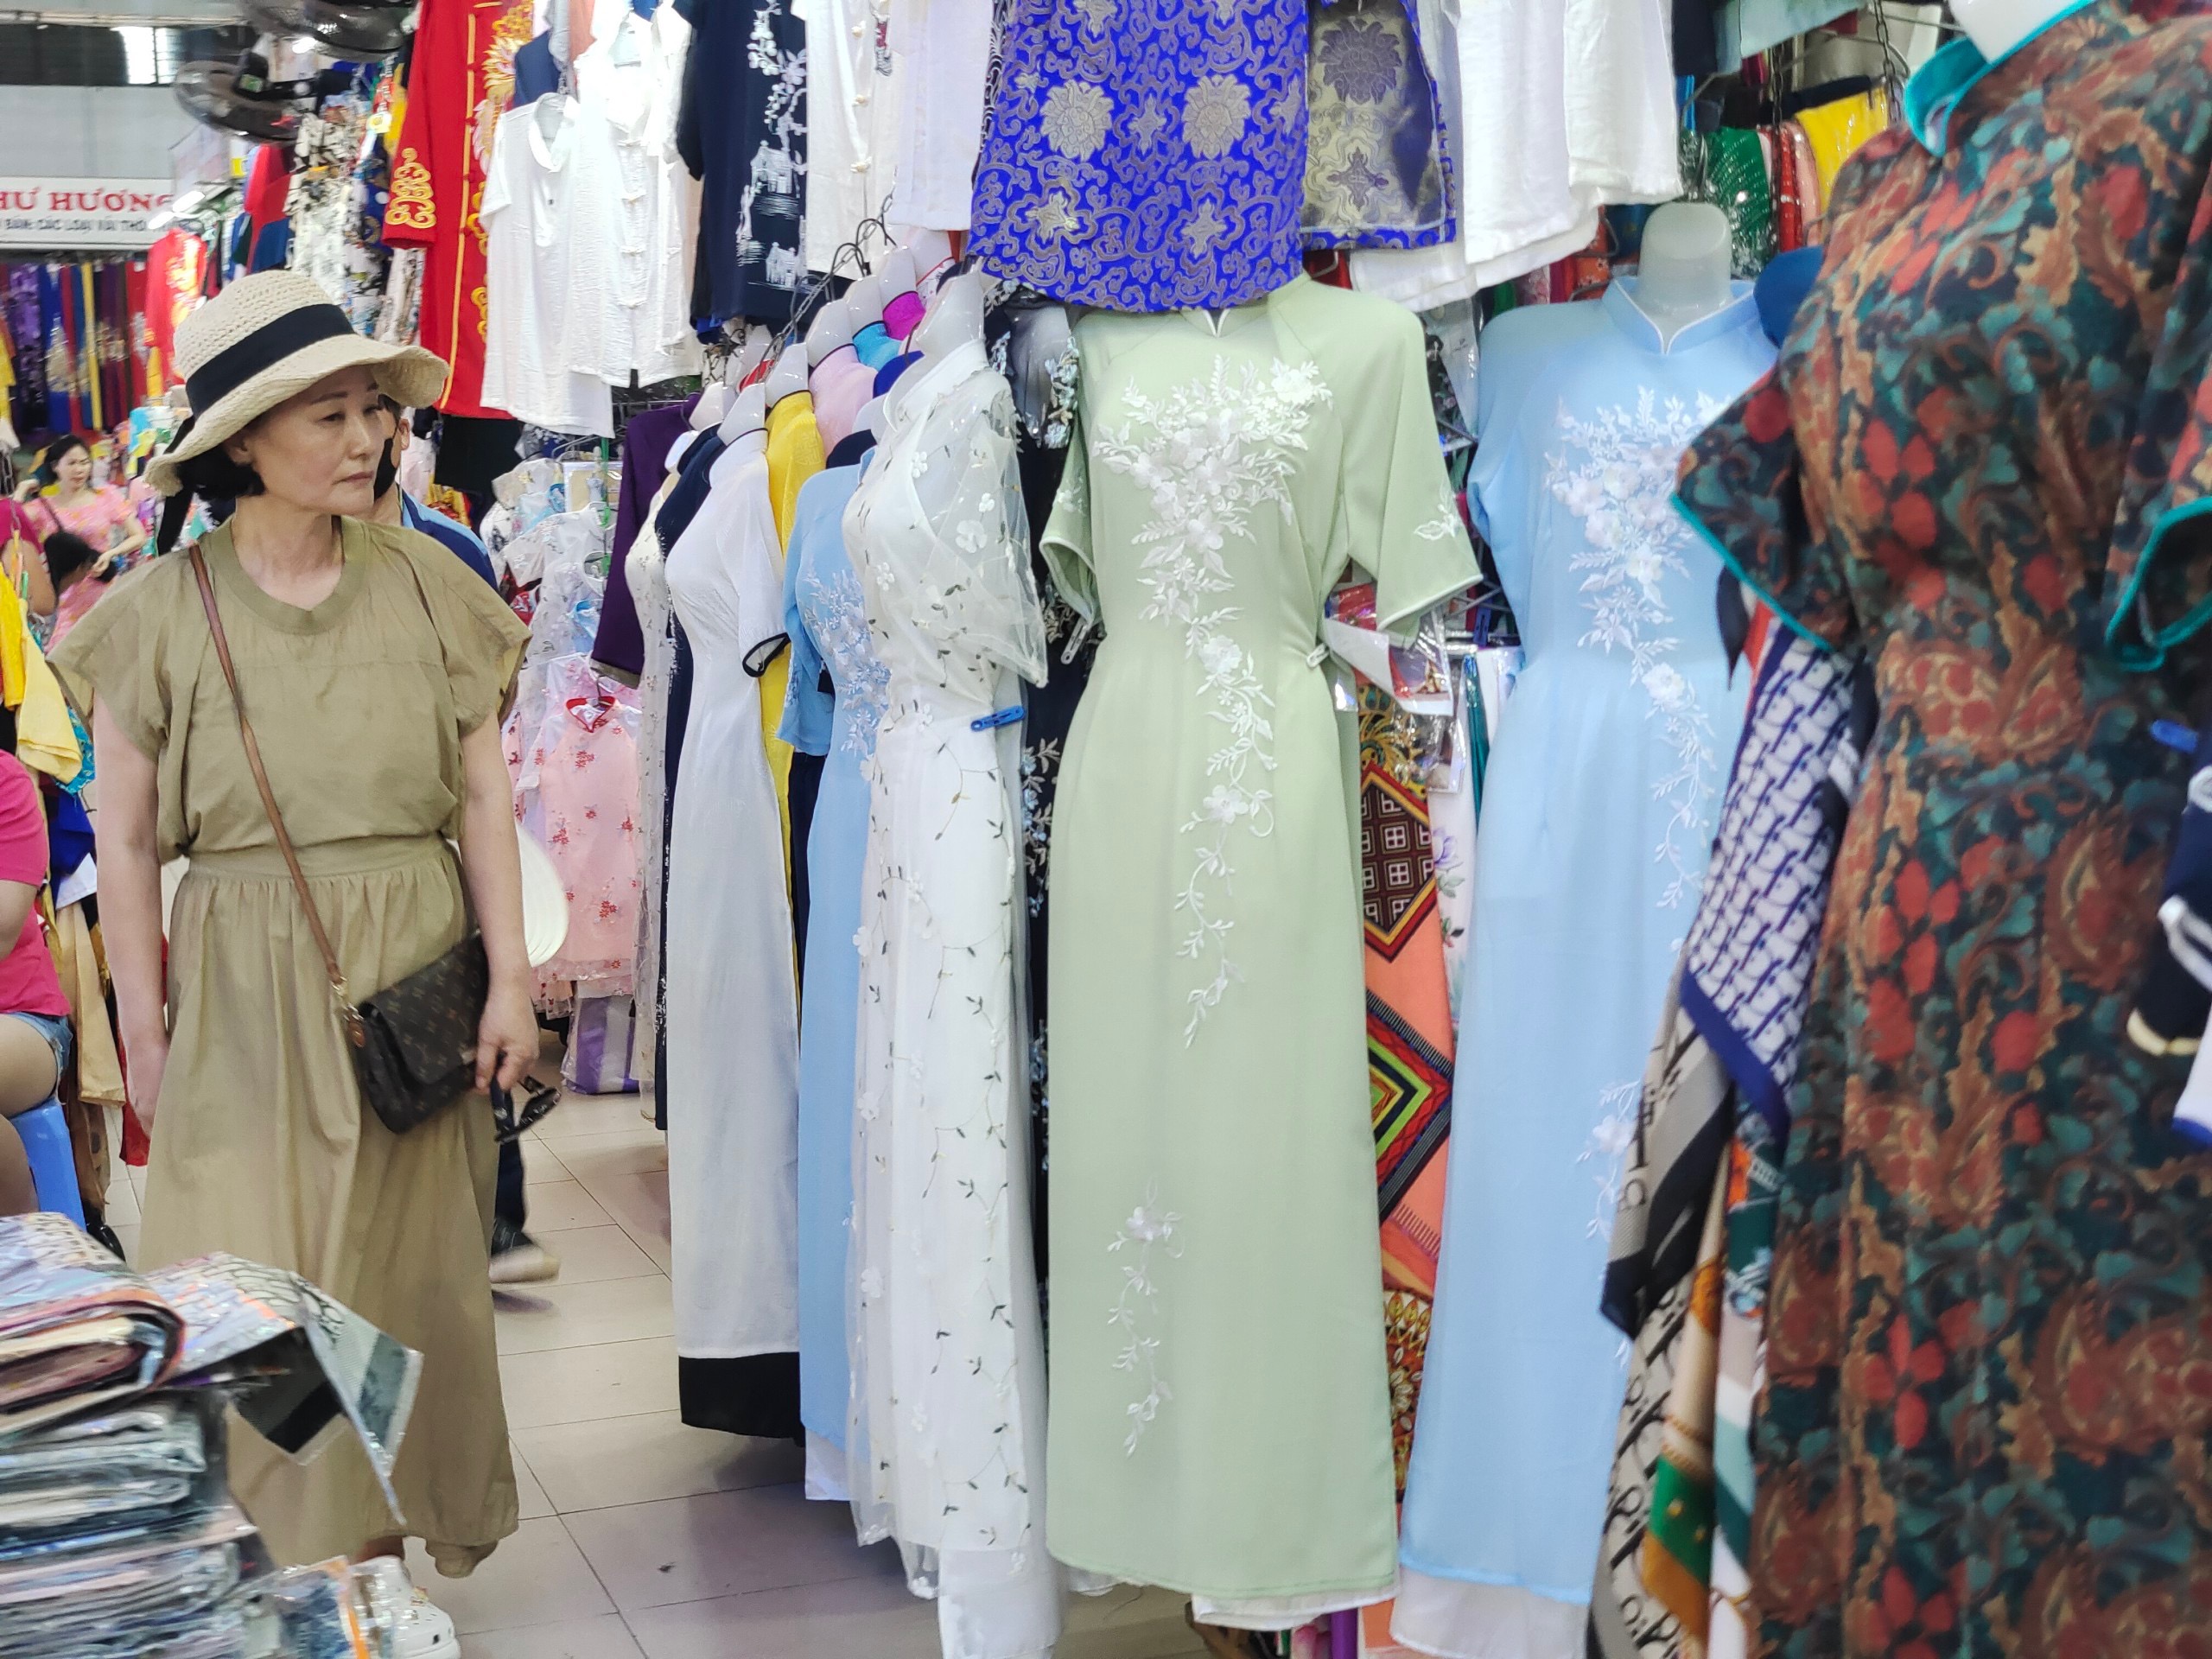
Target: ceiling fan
[
  {"x": 357, "y": 30},
  {"x": 242, "y": 98}
]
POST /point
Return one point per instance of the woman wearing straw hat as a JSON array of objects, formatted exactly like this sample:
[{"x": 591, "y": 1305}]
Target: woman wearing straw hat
[{"x": 372, "y": 664}]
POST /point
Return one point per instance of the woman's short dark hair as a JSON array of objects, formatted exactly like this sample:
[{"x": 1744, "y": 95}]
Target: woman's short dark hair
[
  {"x": 213, "y": 476},
  {"x": 66, "y": 555}
]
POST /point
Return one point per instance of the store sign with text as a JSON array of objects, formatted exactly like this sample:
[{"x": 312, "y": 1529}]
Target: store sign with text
[{"x": 61, "y": 215}]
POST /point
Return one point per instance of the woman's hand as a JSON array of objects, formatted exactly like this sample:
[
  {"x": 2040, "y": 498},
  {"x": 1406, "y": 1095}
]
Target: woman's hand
[
  {"x": 26, "y": 489},
  {"x": 145, "y": 1057},
  {"x": 506, "y": 1038}
]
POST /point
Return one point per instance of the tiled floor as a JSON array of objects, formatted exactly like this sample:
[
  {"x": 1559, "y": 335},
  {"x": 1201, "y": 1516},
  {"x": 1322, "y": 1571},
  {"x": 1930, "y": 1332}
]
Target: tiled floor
[{"x": 642, "y": 1538}]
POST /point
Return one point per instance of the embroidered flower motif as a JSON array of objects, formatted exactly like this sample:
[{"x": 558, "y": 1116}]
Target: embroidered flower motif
[
  {"x": 1147, "y": 124},
  {"x": 1360, "y": 61},
  {"x": 1208, "y": 455},
  {"x": 1448, "y": 522},
  {"x": 1077, "y": 117},
  {"x": 1053, "y": 218},
  {"x": 1148, "y": 1229},
  {"x": 1040, "y": 767},
  {"x": 1608, "y": 1150},
  {"x": 1620, "y": 489},
  {"x": 1215, "y": 110},
  {"x": 1206, "y": 227},
  {"x": 837, "y": 617},
  {"x": 1358, "y": 180}
]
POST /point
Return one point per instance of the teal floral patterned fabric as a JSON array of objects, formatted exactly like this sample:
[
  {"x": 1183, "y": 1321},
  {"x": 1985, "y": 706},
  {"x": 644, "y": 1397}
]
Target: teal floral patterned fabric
[
  {"x": 1376, "y": 172},
  {"x": 1988, "y": 1425},
  {"x": 1145, "y": 154}
]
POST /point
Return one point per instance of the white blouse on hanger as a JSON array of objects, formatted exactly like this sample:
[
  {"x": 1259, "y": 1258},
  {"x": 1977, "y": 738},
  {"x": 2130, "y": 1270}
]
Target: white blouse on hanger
[
  {"x": 631, "y": 309},
  {"x": 853, "y": 87},
  {"x": 944, "y": 48},
  {"x": 533, "y": 194}
]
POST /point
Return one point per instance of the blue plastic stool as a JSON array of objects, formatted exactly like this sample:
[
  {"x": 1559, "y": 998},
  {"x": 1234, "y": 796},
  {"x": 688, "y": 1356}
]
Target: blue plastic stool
[{"x": 45, "y": 1131}]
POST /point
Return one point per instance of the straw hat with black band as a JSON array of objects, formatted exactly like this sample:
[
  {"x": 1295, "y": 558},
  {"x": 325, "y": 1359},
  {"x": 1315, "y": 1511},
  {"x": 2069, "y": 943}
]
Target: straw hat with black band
[{"x": 262, "y": 340}]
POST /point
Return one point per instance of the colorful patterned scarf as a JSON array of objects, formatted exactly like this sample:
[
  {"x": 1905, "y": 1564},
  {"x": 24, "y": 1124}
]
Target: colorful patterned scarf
[{"x": 1687, "y": 1275}]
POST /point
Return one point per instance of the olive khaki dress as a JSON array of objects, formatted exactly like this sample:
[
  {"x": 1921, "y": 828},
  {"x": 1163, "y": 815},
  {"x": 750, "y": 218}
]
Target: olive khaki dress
[{"x": 262, "y": 1145}]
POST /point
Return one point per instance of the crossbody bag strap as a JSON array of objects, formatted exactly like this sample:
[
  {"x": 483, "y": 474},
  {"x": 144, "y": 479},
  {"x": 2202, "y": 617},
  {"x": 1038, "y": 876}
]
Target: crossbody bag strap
[{"x": 346, "y": 1011}]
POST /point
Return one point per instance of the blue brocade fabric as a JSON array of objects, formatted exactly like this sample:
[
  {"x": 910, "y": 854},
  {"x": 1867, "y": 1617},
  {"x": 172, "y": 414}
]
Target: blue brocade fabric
[
  {"x": 1146, "y": 154},
  {"x": 1377, "y": 173}
]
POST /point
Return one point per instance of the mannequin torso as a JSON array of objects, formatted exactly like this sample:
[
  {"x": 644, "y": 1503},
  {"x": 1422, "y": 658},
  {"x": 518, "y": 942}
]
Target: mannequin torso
[{"x": 1682, "y": 276}]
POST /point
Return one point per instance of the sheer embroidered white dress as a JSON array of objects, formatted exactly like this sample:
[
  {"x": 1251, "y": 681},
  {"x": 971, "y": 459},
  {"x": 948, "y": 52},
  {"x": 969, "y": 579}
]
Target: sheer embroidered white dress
[
  {"x": 944, "y": 1451},
  {"x": 732, "y": 1009}
]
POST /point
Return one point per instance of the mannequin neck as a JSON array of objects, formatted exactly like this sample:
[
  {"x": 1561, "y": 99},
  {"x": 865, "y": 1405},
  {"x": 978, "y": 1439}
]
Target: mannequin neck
[
  {"x": 1683, "y": 272},
  {"x": 1999, "y": 27},
  {"x": 1675, "y": 294}
]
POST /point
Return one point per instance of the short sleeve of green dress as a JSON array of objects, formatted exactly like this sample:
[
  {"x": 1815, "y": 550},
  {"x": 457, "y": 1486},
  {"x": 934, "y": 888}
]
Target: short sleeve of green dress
[
  {"x": 262, "y": 1145},
  {"x": 1066, "y": 541},
  {"x": 1396, "y": 518}
]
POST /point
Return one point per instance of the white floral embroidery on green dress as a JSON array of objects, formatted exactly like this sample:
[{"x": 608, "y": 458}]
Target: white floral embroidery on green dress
[
  {"x": 1209, "y": 454},
  {"x": 1448, "y": 522},
  {"x": 1149, "y": 1230},
  {"x": 1620, "y": 487}
]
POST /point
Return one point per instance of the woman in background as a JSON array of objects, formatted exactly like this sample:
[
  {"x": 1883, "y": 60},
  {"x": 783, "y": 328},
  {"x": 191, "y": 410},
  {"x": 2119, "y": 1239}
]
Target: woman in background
[{"x": 60, "y": 496}]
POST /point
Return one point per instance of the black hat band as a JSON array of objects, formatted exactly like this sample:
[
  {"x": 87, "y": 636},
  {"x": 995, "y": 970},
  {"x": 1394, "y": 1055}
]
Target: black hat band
[{"x": 263, "y": 349}]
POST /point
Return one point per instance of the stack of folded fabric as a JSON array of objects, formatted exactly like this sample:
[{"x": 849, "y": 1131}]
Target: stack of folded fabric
[{"x": 117, "y": 1532}]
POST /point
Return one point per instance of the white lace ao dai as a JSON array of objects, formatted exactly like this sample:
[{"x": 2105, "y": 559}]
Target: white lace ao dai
[{"x": 945, "y": 1447}]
